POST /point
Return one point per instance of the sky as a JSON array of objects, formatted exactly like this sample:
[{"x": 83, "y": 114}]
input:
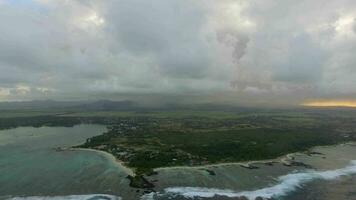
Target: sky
[{"x": 243, "y": 52}]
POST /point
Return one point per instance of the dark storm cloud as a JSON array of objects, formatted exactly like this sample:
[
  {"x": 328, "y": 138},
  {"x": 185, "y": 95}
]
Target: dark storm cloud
[{"x": 242, "y": 50}]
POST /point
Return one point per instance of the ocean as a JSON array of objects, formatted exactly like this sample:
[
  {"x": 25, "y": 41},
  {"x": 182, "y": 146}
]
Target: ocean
[{"x": 32, "y": 168}]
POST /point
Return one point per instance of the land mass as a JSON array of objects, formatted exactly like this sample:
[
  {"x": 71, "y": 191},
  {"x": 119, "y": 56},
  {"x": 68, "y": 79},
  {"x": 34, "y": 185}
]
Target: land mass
[
  {"x": 146, "y": 139},
  {"x": 145, "y": 143}
]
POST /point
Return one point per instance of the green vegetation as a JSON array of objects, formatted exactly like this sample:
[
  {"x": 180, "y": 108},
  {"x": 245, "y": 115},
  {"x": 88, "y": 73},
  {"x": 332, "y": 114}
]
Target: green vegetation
[
  {"x": 37, "y": 121},
  {"x": 163, "y": 139},
  {"x": 145, "y": 140}
]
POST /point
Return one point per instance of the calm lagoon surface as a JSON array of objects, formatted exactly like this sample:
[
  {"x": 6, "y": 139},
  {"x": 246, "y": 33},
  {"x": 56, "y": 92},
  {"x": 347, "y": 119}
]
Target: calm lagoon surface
[{"x": 31, "y": 164}]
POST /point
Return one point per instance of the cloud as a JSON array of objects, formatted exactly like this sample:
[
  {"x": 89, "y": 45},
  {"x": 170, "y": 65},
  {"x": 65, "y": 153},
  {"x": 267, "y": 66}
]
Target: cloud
[
  {"x": 303, "y": 62},
  {"x": 238, "y": 49}
]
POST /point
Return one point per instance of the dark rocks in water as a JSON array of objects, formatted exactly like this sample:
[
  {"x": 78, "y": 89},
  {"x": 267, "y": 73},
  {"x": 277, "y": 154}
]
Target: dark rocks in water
[
  {"x": 248, "y": 166},
  {"x": 140, "y": 181},
  {"x": 311, "y": 153},
  {"x": 59, "y": 149},
  {"x": 286, "y": 162},
  {"x": 295, "y": 163},
  {"x": 211, "y": 172},
  {"x": 262, "y": 198},
  {"x": 220, "y": 197},
  {"x": 301, "y": 164},
  {"x": 270, "y": 163}
]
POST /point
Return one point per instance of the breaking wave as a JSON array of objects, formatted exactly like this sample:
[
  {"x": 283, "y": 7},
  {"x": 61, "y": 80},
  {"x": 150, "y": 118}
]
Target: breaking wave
[
  {"x": 285, "y": 185},
  {"x": 70, "y": 197}
]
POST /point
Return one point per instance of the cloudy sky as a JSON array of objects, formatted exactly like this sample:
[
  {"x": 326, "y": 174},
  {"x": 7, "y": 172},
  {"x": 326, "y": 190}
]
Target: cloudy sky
[{"x": 281, "y": 52}]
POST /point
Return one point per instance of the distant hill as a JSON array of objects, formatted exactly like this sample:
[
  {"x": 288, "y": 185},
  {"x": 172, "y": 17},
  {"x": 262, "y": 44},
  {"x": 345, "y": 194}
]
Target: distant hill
[
  {"x": 107, "y": 105},
  {"x": 38, "y": 104},
  {"x": 101, "y": 105}
]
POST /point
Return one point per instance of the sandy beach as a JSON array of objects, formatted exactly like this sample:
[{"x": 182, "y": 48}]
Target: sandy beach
[{"x": 120, "y": 163}]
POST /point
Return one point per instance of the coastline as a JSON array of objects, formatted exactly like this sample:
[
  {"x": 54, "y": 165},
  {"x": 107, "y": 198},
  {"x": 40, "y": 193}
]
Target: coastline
[
  {"x": 280, "y": 159},
  {"x": 111, "y": 157},
  {"x": 246, "y": 164}
]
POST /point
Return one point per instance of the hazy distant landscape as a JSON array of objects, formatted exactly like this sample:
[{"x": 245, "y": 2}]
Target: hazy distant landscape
[
  {"x": 177, "y": 100},
  {"x": 145, "y": 138}
]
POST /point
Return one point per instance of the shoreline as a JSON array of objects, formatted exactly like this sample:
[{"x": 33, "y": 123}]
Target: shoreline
[
  {"x": 289, "y": 156},
  {"x": 119, "y": 163},
  {"x": 245, "y": 164}
]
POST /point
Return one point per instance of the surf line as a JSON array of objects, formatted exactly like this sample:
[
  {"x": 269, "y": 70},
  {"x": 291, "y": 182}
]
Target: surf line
[
  {"x": 286, "y": 184},
  {"x": 69, "y": 197}
]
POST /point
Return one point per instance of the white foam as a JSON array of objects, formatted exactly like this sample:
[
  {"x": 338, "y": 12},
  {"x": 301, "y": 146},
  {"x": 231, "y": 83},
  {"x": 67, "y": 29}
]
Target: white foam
[
  {"x": 70, "y": 197},
  {"x": 287, "y": 184}
]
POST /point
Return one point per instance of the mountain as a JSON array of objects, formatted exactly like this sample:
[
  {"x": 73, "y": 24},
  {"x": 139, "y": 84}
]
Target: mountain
[
  {"x": 107, "y": 105},
  {"x": 101, "y": 105}
]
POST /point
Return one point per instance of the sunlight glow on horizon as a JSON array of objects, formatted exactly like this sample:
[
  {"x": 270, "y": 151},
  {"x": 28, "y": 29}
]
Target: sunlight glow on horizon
[{"x": 331, "y": 103}]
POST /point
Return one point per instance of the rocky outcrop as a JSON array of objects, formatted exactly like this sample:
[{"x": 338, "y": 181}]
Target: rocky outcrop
[
  {"x": 248, "y": 166},
  {"x": 289, "y": 161},
  {"x": 140, "y": 181}
]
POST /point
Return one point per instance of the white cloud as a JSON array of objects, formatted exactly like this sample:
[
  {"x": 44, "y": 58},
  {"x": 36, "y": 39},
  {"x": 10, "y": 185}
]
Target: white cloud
[{"x": 76, "y": 49}]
